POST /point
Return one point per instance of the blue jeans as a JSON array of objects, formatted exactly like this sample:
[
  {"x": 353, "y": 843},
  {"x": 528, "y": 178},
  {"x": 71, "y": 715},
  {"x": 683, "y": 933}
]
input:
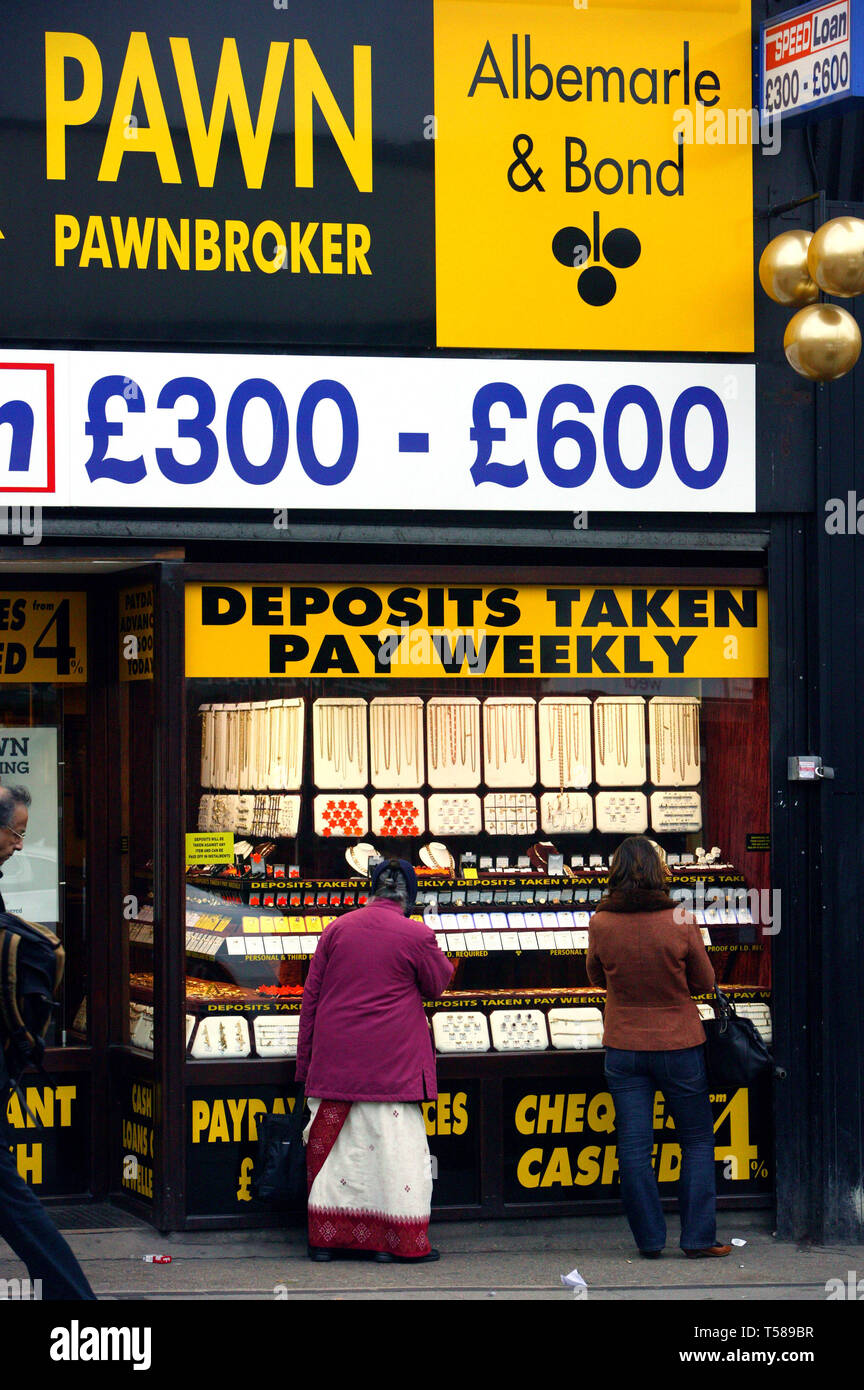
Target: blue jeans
[{"x": 633, "y": 1078}]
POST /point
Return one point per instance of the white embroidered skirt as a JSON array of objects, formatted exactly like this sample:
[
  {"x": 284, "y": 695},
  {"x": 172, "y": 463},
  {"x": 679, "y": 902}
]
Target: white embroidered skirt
[{"x": 370, "y": 1176}]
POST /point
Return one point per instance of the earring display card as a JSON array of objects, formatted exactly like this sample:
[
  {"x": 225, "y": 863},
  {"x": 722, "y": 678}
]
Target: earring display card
[
  {"x": 575, "y": 1028},
  {"x": 276, "y": 1034},
  {"x": 565, "y": 741},
  {"x": 676, "y": 812},
  {"x": 509, "y": 751},
  {"x": 340, "y": 744},
  {"x": 280, "y": 743},
  {"x": 460, "y": 1032},
  {"x": 566, "y": 813},
  {"x": 673, "y": 724},
  {"x": 396, "y": 742},
  {"x": 455, "y": 814},
  {"x": 622, "y": 813},
  {"x": 520, "y": 1030},
  {"x": 276, "y": 816},
  {"x": 398, "y": 816},
  {"x": 510, "y": 813},
  {"x": 453, "y": 742},
  {"x": 341, "y": 816},
  {"x": 225, "y": 1036},
  {"x": 619, "y": 741}
]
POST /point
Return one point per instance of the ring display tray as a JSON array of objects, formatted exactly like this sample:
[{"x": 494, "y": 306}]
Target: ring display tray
[{"x": 676, "y": 812}]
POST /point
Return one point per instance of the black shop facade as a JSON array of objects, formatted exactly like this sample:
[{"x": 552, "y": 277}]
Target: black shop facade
[{"x": 348, "y": 565}]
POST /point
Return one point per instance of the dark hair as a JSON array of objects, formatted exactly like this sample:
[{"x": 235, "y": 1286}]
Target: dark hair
[
  {"x": 636, "y": 864},
  {"x": 392, "y": 884},
  {"x": 10, "y": 797}
]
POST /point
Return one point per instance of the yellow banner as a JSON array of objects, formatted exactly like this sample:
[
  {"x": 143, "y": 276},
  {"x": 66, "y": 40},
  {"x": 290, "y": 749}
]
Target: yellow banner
[
  {"x": 411, "y": 632},
  {"x": 593, "y": 175},
  {"x": 43, "y": 637}
]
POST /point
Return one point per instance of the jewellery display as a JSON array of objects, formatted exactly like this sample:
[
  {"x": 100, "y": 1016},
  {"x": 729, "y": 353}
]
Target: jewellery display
[
  {"x": 508, "y": 807},
  {"x": 253, "y": 746},
  {"x": 456, "y": 1032},
  {"x": 453, "y": 742},
  {"x": 619, "y": 740},
  {"x": 673, "y": 723},
  {"x": 340, "y": 744},
  {"x": 510, "y": 813},
  {"x": 246, "y": 814},
  {"x": 279, "y": 750},
  {"x": 565, "y": 741},
  {"x": 208, "y": 736},
  {"x": 575, "y": 1028},
  {"x": 276, "y": 1034},
  {"x": 398, "y": 816},
  {"x": 566, "y": 812},
  {"x": 455, "y": 814},
  {"x": 437, "y": 856},
  {"x": 518, "y": 1030},
  {"x": 346, "y": 816},
  {"x": 621, "y": 813},
  {"x": 676, "y": 813},
  {"x": 396, "y": 742},
  {"x": 509, "y": 752},
  {"x": 141, "y": 1026},
  {"x": 225, "y": 1036},
  {"x": 358, "y": 857},
  {"x": 276, "y": 815}
]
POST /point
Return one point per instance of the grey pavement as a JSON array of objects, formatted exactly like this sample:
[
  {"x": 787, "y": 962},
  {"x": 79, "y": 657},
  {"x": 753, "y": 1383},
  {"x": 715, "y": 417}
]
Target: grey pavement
[{"x": 488, "y": 1260}]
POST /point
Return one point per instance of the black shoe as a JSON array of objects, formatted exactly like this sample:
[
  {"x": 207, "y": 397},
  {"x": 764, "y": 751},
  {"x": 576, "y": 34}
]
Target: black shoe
[
  {"x": 650, "y": 1254},
  {"x": 418, "y": 1259},
  {"x": 318, "y": 1253}
]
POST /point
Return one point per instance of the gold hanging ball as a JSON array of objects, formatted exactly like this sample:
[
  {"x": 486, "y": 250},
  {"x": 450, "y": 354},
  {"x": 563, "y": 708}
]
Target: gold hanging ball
[
  {"x": 783, "y": 272},
  {"x": 822, "y": 342},
  {"x": 835, "y": 258}
]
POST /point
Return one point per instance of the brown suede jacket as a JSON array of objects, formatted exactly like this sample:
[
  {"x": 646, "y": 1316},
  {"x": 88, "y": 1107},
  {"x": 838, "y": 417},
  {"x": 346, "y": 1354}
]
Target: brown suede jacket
[{"x": 649, "y": 964}]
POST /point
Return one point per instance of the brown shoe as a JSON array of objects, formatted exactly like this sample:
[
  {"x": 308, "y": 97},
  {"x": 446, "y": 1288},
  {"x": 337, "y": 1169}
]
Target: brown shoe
[{"x": 714, "y": 1252}]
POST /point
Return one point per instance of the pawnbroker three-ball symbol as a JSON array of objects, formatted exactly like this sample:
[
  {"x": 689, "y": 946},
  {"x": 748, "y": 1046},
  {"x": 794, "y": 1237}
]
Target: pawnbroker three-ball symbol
[{"x": 620, "y": 248}]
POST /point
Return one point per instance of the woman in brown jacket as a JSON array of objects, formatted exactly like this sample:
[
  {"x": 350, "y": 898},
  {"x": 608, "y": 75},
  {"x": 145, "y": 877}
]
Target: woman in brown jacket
[{"x": 648, "y": 955}]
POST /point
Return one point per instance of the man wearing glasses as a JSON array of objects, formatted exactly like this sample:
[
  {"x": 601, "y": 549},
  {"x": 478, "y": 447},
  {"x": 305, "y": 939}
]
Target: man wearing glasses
[
  {"x": 24, "y": 1222},
  {"x": 14, "y": 813}
]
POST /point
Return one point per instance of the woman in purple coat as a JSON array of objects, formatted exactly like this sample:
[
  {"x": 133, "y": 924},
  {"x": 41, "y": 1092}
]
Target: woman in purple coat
[{"x": 366, "y": 1060}]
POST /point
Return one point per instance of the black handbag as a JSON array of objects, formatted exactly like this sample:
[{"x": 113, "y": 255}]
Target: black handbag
[
  {"x": 280, "y": 1168},
  {"x": 735, "y": 1053}
]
